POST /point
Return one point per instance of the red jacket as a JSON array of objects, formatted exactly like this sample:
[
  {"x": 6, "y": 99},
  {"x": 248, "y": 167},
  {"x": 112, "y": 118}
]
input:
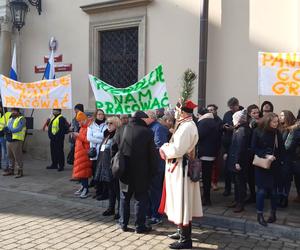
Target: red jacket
[{"x": 82, "y": 165}]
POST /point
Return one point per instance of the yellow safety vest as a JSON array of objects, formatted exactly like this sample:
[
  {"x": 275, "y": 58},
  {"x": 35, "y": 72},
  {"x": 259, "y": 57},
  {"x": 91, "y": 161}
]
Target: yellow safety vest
[
  {"x": 4, "y": 120},
  {"x": 55, "y": 125},
  {"x": 20, "y": 136}
]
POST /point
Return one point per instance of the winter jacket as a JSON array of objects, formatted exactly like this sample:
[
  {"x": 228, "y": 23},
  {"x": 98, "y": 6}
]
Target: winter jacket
[
  {"x": 82, "y": 165},
  {"x": 160, "y": 133},
  {"x": 140, "y": 154},
  {"x": 227, "y": 119},
  {"x": 239, "y": 148},
  {"x": 103, "y": 166},
  {"x": 95, "y": 135},
  {"x": 209, "y": 137},
  {"x": 292, "y": 144},
  {"x": 262, "y": 144}
]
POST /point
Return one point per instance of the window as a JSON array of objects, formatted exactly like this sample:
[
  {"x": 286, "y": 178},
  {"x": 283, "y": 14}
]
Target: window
[{"x": 118, "y": 56}]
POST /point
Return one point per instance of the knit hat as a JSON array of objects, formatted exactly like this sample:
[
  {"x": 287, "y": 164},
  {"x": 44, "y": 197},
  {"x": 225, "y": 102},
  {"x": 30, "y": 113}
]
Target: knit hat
[
  {"x": 239, "y": 117},
  {"x": 81, "y": 116}
]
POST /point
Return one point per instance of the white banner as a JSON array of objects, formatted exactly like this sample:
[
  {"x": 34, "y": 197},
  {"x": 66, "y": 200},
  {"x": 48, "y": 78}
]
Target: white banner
[
  {"x": 45, "y": 94},
  {"x": 279, "y": 74},
  {"x": 148, "y": 93}
]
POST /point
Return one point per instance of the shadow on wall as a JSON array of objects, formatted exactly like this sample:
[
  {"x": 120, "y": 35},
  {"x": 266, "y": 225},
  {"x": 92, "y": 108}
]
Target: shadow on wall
[{"x": 233, "y": 59}]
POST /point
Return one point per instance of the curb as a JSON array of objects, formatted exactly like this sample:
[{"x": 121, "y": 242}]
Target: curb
[{"x": 247, "y": 226}]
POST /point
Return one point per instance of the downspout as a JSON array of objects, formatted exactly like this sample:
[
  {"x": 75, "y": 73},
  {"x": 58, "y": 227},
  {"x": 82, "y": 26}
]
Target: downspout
[{"x": 204, "y": 6}]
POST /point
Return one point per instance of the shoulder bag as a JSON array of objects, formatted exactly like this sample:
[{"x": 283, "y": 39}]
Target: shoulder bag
[
  {"x": 263, "y": 162},
  {"x": 118, "y": 161}
]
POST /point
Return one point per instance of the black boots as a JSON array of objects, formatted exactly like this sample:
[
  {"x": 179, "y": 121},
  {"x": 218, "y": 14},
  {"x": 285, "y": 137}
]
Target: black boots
[
  {"x": 261, "y": 220},
  {"x": 185, "y": 241},
  {"x": 272, "y": 217}
]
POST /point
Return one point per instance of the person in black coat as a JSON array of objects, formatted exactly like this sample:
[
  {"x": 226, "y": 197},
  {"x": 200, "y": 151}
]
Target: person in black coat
[
  {"x": 141, "y": 160},
  {"x": 267, "y": 143},
  {"x": 208, "y": 147},
  {"x": 213, "y": 108},
  {"x": 253, "y": 118},
  {"x": 286, "y": 119},
  {"x": 238, "y": 158},
  {"x": 234, "y": 106},
  {"x": 292, "y": 146},
  {"x": 57, "y": 129}
]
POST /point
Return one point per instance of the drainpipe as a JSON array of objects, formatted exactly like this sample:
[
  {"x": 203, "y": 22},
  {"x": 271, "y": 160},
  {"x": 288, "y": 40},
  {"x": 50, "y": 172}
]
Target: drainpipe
[{"x": 204, "y": 6}]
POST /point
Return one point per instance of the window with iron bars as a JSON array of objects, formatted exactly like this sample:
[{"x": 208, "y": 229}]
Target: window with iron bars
[{"x": 119, "y": 57}]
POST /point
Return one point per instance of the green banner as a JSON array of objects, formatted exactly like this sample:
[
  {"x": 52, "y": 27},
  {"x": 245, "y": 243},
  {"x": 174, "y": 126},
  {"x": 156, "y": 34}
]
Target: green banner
[{"x": 148, "y": 93}]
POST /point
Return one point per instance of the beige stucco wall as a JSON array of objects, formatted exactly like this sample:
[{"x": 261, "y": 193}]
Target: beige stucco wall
[
  {"x": 172, "y": 38},
  {"x": 238, "y": 30}
]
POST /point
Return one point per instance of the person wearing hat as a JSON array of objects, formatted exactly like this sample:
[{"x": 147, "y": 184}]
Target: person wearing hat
[
  {"x": 16, "y": 129},
  {"x": 82, "y": 169},
  {"x": 56, "y": 133},
  {"x": 74, "y": 128},
  {"x": 238, "y": 158},
  {"x": 141, "y": 166},
  {"x": 181, "y": 199},
  {"x": 4, "y": 118}
]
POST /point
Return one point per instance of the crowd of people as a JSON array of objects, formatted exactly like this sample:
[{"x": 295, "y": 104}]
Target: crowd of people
[{"x": 158, "y": 146}]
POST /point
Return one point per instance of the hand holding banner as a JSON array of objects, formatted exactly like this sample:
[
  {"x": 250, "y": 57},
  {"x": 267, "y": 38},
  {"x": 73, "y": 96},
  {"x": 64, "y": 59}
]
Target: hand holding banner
[
  {"x": 148, "y": 93},
  {"x": 45, "y": 94}
]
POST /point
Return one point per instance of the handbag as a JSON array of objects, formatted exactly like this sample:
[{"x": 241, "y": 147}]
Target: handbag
[
  {"x": 194, "y": 166},
  {"x": 194, "y": 170},
  {"x": 261, "y": 162},
  {"x": 264, "y": 162},
  {"x": 118, "y": 161},
  {"x": 92, "y": 153}
]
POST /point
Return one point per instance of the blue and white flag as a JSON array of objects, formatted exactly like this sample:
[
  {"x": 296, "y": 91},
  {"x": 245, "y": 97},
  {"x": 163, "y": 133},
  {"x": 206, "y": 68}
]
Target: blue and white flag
[
  {"x": 50, "y": 68},
  {"x": 13, "y": 70}
]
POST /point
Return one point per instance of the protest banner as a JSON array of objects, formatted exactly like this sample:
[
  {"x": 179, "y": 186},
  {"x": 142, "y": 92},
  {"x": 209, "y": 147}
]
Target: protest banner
[
  {"x": 45, "y": 94},
  {"x": 148, "y": 93},
  {"x": 279, "y": 74}
]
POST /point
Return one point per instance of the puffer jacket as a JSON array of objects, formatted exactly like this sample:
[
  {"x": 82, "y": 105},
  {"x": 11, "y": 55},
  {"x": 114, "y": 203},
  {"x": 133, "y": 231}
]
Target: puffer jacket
[
  {"x": 95, "y": 135},
  {"x": 82, "y": 165}
]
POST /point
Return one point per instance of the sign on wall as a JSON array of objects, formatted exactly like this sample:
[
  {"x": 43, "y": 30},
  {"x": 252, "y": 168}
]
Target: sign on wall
[
  {"x": 279, "y": 74},
  {"x": 45, "y": 94},
  {"x": 148, "y": 93}
]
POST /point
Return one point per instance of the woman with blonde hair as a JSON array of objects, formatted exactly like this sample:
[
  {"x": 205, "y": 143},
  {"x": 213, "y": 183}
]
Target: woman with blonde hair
[{"x": 103, "y": 168}]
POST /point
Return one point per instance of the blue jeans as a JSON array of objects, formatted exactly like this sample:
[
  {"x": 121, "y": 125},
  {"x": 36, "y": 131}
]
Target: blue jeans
[
  {"x": 260, "y": 199},
  {"x": 4, "y": 158},
  {"x": 85, "y": 183},
  {"x": 155, "y": 192},
  {"x": 141, "y": 208}
]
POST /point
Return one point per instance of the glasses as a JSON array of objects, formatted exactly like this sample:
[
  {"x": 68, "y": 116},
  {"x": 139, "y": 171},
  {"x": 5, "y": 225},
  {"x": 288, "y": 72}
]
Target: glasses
[{"x": 109, "y": 123}]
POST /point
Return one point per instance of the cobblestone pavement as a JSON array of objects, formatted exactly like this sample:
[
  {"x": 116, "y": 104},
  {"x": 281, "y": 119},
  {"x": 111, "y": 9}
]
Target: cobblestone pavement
[{"x": 38, "y": 221}]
